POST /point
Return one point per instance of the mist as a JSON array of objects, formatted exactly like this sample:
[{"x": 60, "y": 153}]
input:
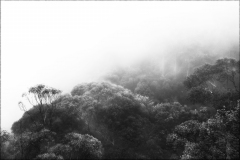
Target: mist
[{"x": 64, "y": 44}]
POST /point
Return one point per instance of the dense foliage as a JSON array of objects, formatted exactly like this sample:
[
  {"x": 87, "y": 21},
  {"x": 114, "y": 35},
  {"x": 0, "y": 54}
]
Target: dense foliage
[
  {"x": 216, "y": 138},
  {"x": 144, "y": 115}
]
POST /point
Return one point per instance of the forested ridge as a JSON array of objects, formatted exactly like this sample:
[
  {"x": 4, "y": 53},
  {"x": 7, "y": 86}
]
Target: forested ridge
[{"x": 141, "y": 112}]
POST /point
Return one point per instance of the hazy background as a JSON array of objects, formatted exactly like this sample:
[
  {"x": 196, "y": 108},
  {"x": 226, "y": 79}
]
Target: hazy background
[{"x": 61, "y": 44}]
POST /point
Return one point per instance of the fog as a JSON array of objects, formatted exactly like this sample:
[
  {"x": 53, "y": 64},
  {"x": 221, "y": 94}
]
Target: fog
[{"x": 61, "y": 44}]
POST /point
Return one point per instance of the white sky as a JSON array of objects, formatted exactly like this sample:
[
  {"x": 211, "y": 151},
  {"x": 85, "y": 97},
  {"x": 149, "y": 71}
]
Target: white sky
[{"x": 61, "y": 44}]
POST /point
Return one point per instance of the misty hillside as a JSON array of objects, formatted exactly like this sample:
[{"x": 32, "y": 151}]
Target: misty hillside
[
  {"x": 149, "y": 111},
  {"x": 120, "y": 80}
]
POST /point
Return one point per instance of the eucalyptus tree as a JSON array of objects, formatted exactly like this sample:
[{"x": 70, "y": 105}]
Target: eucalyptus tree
[
  {"x": 43, "y": 98},
  {"x": 36, "y": 123}
]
